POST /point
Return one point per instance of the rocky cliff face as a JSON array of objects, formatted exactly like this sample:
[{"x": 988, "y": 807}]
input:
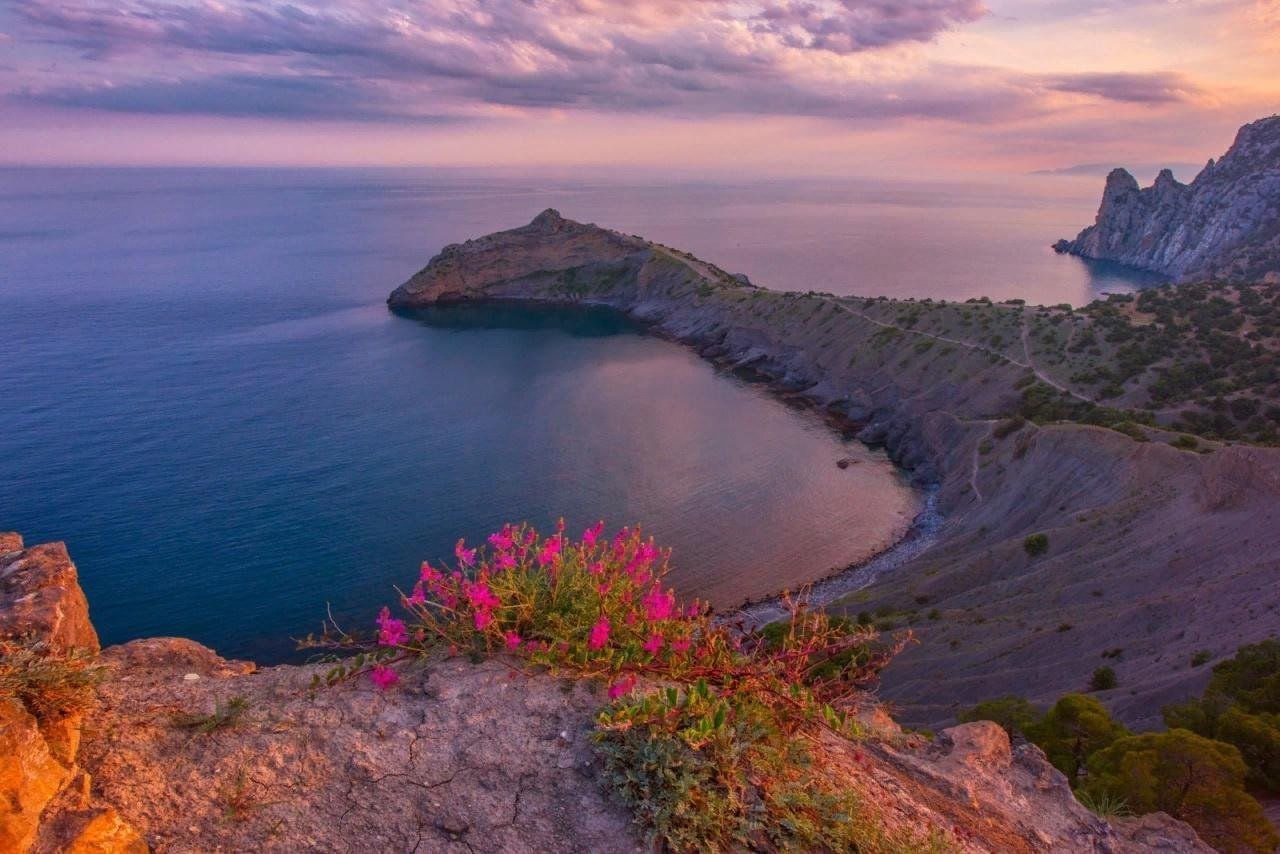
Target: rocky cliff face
[
  {"x": 457, "y": 757},
  {"x": 1224, "y": 224},
  {"x": 47, "y": 803}
]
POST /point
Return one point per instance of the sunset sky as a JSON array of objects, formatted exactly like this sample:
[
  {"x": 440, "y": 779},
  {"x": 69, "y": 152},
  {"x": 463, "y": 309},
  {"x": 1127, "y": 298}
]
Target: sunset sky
[{"x": 924, "y": 87}]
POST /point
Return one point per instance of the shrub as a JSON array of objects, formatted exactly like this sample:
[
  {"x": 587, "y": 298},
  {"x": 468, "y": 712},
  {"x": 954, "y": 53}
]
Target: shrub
[
  {"x": 1200, "y": 657},
  {"x": 1191, "y": 778},
  {"x": 1009, "y": 426},
  {"x": 1036, "y": 544},
  {"x": 1103, "y": 679},
  {"x": 1185, "y": 442},
  {"x": 49, "y": 685},
  {"x": 1076, "y": 727},
  {"x": 1015, "y": 714},
  {"x": 707, "y": 738}
]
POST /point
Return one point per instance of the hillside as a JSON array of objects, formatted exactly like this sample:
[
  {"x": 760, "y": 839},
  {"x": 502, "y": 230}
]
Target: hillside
[
  {"x": 1225, "y": 224},
  {"x": 1158, "y": 546}
]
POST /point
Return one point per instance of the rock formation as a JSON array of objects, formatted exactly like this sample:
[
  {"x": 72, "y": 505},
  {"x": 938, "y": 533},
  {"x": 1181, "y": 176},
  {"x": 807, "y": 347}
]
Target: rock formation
[
  {"x": 1224, "y": 224},
  {"x": 46, "y": 798},
  {"x": 457, "y": 757}
]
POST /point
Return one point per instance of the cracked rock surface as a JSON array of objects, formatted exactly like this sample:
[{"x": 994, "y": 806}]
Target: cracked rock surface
[{"x": 459, "y": 757}]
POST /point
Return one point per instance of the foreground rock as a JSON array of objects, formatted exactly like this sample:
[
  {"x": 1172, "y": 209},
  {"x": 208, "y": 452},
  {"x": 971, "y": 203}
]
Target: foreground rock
[
  {"x": 46, "y": 803},
  {"x": 456, "y": 757},
  {"x": 1224, "y": 224}
]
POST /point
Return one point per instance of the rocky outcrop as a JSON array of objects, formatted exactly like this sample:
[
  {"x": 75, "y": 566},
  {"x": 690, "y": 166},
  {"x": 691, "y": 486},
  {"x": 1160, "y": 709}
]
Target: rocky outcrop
[
  {"x": 456, "y": 757},
  {"x": 46, "y": 804},
  {"x": 1224, "y": 224}
]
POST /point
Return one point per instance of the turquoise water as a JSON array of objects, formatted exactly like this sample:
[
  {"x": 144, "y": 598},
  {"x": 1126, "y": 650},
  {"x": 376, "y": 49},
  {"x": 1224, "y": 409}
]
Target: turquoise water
[{"x": 203, "y": 394}]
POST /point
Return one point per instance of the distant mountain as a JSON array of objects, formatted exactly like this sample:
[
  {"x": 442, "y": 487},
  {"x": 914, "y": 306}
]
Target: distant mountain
[
  {"x": 1225, "y": 224},
  {"x": 1100, "y": 170}
]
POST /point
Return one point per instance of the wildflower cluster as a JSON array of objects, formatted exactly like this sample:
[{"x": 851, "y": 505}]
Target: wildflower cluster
[{"x": 708, "y": 731}]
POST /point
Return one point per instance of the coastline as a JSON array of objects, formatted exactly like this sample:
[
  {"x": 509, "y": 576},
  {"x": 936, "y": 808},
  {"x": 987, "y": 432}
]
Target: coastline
[
  {"x": 824, "y": 586},
  {"x": 1154, "y": 549}
]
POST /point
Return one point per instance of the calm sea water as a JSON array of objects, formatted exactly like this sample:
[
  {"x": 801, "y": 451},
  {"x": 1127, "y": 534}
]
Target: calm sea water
[{"x": 202, "y": 392}]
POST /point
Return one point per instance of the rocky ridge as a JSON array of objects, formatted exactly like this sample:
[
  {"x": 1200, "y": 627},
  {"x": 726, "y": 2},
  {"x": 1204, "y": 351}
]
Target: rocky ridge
[
  {"x": 1224, "y": 224},
  {"x": 457, "y": 757},
  {"x": 1154, "y": 551}
]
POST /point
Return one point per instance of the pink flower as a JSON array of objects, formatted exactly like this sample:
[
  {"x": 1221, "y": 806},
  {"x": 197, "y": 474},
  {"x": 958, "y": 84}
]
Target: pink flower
[
  {"x": 384, "y": 677},
  {"x": 430, "y": 575},
  {"x": 465, "y": 556},
  {"x": 653, "y": 645},
  {"x": 596, "y": 568},
  {"x": 550, "y": 549},
  {"x": 603, "y": 589},
  {"x": 529, "y": 536},
  {"x": 593, "y": 533},
  {"x": 599, "y": 634},
  {"x": 693, "y": 610},
  {"x": 680, "y": 646},
  {"x": 505, "y": 562},
  {"x": 621, "y": 687},
  {"x": 659, "y": 605},
  {"x": 391, "y": 632},
  {"x": 483, "y": 619},
  {"x": 480, "y": 596},
  {"x": 513, "y": 640},
  {"x": 502, "y": 540},
  {"x": 417, "y": 597}
]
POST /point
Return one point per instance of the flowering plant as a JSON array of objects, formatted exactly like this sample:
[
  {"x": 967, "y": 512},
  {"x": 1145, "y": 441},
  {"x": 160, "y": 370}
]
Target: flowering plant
[{"x": 713, "y": 715}]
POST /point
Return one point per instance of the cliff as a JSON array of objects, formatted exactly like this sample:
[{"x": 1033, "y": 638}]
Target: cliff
[
  {"x": 458, "y": 756},
  {"x": 1155, "y": 551},
  {"x": 1225, "y": 224}
]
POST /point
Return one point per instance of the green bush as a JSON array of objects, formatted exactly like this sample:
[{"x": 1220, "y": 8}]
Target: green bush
[
  {"x": 1189, "y": 777},
  {"x": 1103, "y": 679},
  {"x": 1076, "y": 727},
  {"x": 1015, "y": 714},
  {"x": 1036, "y": 544}
]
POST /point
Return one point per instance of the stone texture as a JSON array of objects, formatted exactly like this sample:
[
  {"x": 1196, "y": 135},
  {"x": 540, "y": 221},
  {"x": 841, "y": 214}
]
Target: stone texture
[
  {"x": 45, "y": 801},
  {"x": 461, "y": 757},
  {"x": 30, "y": 777},
  {"x": 1224, "y": 224},
  {"x": 40, "y": 596}
]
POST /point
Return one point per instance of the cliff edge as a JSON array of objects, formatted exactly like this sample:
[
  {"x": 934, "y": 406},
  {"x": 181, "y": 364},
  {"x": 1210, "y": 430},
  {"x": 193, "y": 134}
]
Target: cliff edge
[
  {"x": 459, "y": 757},
  {"x": 1225, "y": 224}
]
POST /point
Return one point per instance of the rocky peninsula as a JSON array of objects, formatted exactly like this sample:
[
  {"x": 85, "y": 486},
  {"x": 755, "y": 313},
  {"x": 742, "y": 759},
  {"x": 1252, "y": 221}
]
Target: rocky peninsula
[
  {"x": 1158, "y": 544},
  {"x": 1225, "y": 224}
]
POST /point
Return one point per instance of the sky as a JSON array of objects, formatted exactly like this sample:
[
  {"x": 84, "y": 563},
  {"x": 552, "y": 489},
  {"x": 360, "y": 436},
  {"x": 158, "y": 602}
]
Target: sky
[{"x": 775, "y": 87}]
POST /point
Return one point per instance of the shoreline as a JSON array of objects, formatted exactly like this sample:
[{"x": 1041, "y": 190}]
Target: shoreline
[{"x": 921, "y": 532}]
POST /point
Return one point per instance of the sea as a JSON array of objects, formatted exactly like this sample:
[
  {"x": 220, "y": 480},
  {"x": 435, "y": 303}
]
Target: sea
[{"x": 204, "y": 395}]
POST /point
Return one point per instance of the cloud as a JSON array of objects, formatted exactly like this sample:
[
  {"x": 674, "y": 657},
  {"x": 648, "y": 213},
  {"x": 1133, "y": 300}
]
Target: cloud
[
  {"x": 1135, "y": 88},
  {"x": 375, "y": 61},
  {"x": 240, "y": 96}
]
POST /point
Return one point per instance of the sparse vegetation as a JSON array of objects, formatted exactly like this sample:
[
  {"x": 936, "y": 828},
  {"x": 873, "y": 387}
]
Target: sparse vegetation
[
  {"x": 1103, "y": 679},
  {"x": 1197, "y": 770},
  {"x": 1036, "y": 544},
  {"x": 50, "y": 685},
  {"x": 708, "y": 735},
  {"x": 224, "y": 716}
]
